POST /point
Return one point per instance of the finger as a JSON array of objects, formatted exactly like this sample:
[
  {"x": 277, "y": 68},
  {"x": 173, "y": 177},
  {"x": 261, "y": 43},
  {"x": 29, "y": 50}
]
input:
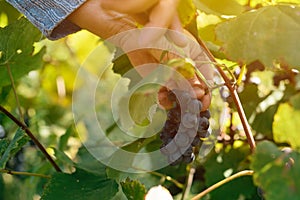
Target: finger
[
  {"x": 206, "y": 100},
  {"x": 176, "y": 34},
  {"x": 198, "y": 55},
  {"x": 164, "y": 100},
  {"x": 160, "y": 17},
  {"x": 128, "y": 6},
  {"x": 92, "y": 17}
]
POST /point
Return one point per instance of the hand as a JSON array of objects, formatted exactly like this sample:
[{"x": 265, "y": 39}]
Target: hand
[
  {"x": 159, "y": 13},
  {"x": 106, "y": 23}
]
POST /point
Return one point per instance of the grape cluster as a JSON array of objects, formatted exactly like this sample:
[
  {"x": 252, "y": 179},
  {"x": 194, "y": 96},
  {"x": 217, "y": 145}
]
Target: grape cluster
[{"x": 184, "y": 128}]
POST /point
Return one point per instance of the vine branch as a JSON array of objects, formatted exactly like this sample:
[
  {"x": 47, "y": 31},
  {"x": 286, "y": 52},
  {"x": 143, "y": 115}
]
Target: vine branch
[
  {"x": 189, "y": 182},
  {"x": 222, "y": 182},
  {"x": 15, "y": 91},
  {"x": 168, "y": 178},
  {"x": 24, "y": 173},
  {"x": 233, "y": 92},
  {"x": 30, "y": 134}
]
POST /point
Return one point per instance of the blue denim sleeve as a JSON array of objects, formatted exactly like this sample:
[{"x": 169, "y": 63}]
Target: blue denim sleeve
[{"x": 49, "y": 15}]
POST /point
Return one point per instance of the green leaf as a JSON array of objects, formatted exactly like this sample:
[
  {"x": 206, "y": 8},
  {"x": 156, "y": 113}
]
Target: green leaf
[
  {"x": 62, "y": 157},
  {"x": 263, "y": 122},
  {"x": 81, "y": 185},
  {"x": 62, "y": 144},
  {"x": 16, "y": 45},
  {"x": 125, "y": 162},
  {"x": 295, "y": 101},
  {"x": 4, "y": 92},
  {"x": 286, "y": 125},
  {"x": 276, "y": 171},
  {"x": 186, "y": 11},
  {"x": 121, "y": 62},
  {"x": 228, "y": 162},
  {"x": 19, "y": 140},
  {"x": 133, "y": 189},
  {"x": 250, "y": 95},
  {"x": 216, "y": 7},
  {"x": 7, "y": 9},
  {"x": 86, "y": 161},
  {"x": 3, "y": 145},
  {"x": 139, "y": 104},
  {"x": 269, "y": 34}
]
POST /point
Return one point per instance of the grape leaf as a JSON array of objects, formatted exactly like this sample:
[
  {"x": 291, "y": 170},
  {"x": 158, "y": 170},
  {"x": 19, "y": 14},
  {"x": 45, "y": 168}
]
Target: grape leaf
[
  {"x": 133, "y": 189},
  {"x": 16, "y": 50},
  {"x": 4, "y": 92},
  {"x": 19, "y": 140},
  {"x": 269, "y": 34},
  {"x": 216, "y": 7},
  {"x": 250, "y": 95},
  {"x": 121, "y": 62},
  {"x": 3, "y": 145},
  {"x": 231, "y": 160},
  {"x": 285, "y": 125},
  {"x": 86, "y": 161},
  {"x": 63, "y": 141},
  {"x": 295, "y": 101},
  {"x": 186, "y": 11},
  {"x": 276, "y": 171},
  {"x": 138, "y": 105},
  {"x": 80, "y": 185},
  {"x": 11, "y": 13},
  {"x": 263, "y": 122}
]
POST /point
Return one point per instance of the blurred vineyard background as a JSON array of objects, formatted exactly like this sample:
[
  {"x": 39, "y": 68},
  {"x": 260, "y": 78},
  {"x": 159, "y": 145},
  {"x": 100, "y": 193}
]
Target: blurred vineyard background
[{"x": 259, "y": 41}]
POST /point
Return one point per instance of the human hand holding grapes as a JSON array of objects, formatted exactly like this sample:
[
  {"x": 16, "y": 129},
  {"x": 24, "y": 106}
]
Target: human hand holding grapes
[{"x": 107, "y": 18}]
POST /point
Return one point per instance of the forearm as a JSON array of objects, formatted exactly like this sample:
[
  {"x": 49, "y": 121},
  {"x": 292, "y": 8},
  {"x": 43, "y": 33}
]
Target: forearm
[{"x": 49, "y": 16}]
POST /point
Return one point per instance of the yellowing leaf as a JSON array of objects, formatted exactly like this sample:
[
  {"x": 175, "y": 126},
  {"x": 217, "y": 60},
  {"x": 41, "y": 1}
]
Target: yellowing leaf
[
  {"x": 269, "y": 34},
  {"x": 186, "y": 11},
  {"x": 286, "y": 125},
  {"x": 183, "y": 66},
  {"x": 217, "y": 7}
]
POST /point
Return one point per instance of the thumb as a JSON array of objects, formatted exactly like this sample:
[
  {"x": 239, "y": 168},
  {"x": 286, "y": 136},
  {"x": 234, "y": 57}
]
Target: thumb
[
  {"x": 176, "y": 34},
  {"x": 160, "y": 17},
  {"x": 128, "y": 6}
]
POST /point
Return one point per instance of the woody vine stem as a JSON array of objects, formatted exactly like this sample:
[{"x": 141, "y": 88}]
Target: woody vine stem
[
  {"x": 233, "y": 92},
  {"x": 32, "y": 137}
]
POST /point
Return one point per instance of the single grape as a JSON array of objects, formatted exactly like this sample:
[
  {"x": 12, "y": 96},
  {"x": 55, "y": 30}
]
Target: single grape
[
  {"x": 174, "y": 115},
  {"x": 188, "y": 151},
  {"x": 174, "y": 156},
  {"x": 170, "y": 148},
  {"x": 205, "y": 114},
  {"x": 183, "y": 98},
  {"x": 194, "y": 106},
  {"x": 196, "y": 142},
  {"x": 166, "y": 137},
  {"x": 176, "y": 162},
  {"x": 203, "y": 133},
  {"x": 182, "y": 140},
  {"x": 170, "y": 127},
  {"x": 203, "y": 123},
  {"x": 191, "y": 132},
  {"x": 189, "y": 120},
  {"x": 189, "y": 159}
]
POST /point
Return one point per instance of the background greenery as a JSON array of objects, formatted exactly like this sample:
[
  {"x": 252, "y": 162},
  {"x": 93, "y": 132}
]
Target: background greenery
[{"x": 258, "y": 41}]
